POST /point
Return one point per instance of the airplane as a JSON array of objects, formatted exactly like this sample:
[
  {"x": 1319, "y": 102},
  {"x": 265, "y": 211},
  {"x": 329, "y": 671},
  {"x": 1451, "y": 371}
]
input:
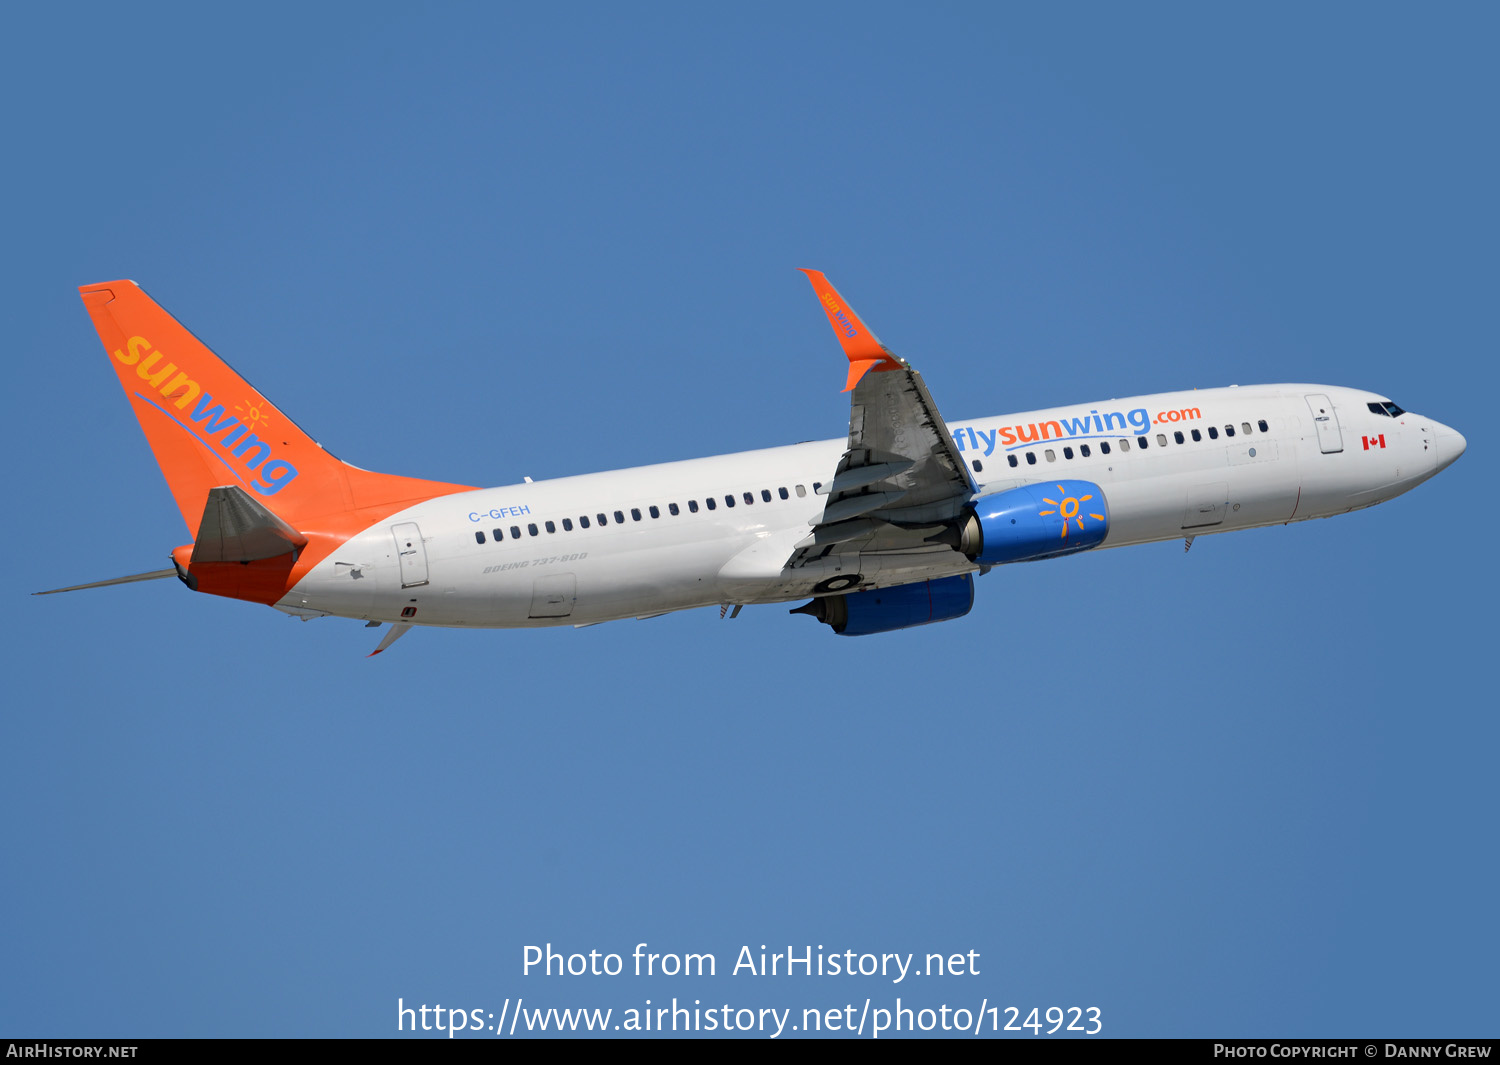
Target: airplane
[{"x": 883, "y": 530}]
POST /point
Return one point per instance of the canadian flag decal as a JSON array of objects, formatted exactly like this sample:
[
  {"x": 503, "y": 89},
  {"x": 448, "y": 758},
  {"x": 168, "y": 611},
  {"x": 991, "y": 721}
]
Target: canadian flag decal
[{"x": 1373, "y": 441}]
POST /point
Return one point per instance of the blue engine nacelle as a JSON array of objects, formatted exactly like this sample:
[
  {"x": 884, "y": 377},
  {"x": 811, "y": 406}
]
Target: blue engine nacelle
[
  {"x": 1035, "y": 521},
  {"x": 899, "y": 607}
]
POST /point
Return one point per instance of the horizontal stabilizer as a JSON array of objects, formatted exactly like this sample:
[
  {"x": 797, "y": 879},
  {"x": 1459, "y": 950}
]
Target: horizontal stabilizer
[
  {"x": 154, "y": 575},
  {"x": 235, "y": 528},
  {"x": 394, "y": 633}
]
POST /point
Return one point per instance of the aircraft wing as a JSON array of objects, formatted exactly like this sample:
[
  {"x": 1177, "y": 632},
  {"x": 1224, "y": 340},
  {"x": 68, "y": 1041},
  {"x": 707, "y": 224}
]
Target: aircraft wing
[{"x": 902, "y": 475}]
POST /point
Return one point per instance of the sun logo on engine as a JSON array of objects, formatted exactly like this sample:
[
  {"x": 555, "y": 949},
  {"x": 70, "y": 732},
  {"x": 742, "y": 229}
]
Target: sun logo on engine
[
  {"x": 1070, "y": 509},
  {"x": 253, "y": 412}
]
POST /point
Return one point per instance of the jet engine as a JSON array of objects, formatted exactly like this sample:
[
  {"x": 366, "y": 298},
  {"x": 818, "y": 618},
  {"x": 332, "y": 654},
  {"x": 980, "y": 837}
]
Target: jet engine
[
  {"x": 900, "y": 607},
  {"x": 1034, "y": 521}
]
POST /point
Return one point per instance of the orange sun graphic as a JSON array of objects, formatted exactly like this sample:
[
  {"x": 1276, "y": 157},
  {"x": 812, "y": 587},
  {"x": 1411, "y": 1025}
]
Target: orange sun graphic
[
  {"x": 253, "y": 413},
  {"x": 1069, "y": 508}
]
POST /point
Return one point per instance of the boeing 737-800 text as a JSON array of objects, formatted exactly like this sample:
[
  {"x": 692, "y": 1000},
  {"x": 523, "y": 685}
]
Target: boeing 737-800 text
[{"x": 881, "y": 531}]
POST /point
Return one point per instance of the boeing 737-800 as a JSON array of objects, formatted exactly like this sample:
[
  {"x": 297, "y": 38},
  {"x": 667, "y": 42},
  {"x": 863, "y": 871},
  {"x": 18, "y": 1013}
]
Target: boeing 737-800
[{"x": 881, "y": 531}]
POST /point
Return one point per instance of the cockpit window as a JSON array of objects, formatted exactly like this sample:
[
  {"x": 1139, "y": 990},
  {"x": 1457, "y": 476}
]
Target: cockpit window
[
  {"x": 1386, "y": 409},
  {"x": 1393, "y": 410}
]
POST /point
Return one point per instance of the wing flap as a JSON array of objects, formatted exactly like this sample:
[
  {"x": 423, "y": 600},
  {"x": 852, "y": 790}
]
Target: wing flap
[
  {"x": 859, "y": 476},
  {"x": 853, "y": 504}
]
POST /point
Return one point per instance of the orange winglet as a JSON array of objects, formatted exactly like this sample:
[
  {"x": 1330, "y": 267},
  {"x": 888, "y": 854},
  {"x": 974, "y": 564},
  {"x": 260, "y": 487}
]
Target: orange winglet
[{"x": 863, "y": 349}]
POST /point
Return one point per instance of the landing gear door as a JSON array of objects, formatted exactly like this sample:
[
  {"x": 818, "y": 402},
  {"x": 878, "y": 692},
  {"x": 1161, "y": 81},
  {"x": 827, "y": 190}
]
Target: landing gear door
[
  {"x": 412, "y": 553},
  {"x": 1330, "y": 439}
]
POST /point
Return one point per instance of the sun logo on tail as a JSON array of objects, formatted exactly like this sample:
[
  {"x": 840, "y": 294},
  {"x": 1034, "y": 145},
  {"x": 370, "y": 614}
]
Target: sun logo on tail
[
  {"x": 1069, "y": 509},
  {"x": 253, "y": 412}
]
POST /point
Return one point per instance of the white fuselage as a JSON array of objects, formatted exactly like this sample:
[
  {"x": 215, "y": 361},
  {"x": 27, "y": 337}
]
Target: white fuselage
[{"x": 427, "y": 565}]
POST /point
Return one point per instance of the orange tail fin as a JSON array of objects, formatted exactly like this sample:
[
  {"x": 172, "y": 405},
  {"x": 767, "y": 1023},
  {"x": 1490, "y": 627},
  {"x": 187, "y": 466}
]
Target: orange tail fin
[{"x": 209, "y": 428}]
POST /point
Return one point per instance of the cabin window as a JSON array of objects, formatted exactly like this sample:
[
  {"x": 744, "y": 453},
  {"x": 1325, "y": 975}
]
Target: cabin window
[
  {"x": 1012, "y": 460},
  {"x": 1141, "y": 441},
  {"x": 655, "y": 511},
  {"x": 693, "y": 506},
  {"x": 1228, "y": 430},
  {"x": 1124, "y": 446},
  {"x": 1263, "y": 426},
  {"x": 603, "y": 521},
  {"x": 619, "y": 517},
  {"x": 1031, "y": 458},
  {"x": 817, "y": 485},
  {"x": 1245, "y": 428},
  {"x": 749, "y": 498},
  {"x": 1067, "y": 452},
  {"x": 1177, "y": 436},
  {"x": 783, "y": 493},
  {"x": 1213, "y": 434},
  {"x": 479, "y": 537},
  {"x": 531, "y": 528},
  {"x": 583, "y": 521},
  {"x": 567, "y": 525},
  {"x": 801, "y": 491},
  {"x": 1161, "y": 439},
  {"x": 551, "y": 527},
  {"x": 978, "y": 466},
  {"x": 1083, "y": 449},
  {"x": 729, "y": 501},
  {"x": 1051, "y": 455},
  {"x": 515, "y": 532},
  {"x": 672, "y": 509},
  {"x": 712, "y": 502},
  {"x": 635, "y": 513},
  {"x": 765, "y": 495},
  {"x": 1197, "y": 437},
  {"x": 498, "y": 534}
]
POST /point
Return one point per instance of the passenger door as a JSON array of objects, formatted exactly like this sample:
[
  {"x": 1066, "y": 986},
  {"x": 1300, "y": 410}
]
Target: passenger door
[
  {"x": 412, "y": 553},
  {"x": 1330, "y": 439}
]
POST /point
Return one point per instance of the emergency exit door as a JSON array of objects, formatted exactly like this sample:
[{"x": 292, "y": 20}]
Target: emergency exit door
[
  {"x": 553, "y": 597},
  {"x": 1206, "y": 504}
]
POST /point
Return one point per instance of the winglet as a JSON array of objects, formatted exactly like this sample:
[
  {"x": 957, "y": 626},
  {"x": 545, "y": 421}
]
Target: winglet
[{"x": 862, "y": 347}]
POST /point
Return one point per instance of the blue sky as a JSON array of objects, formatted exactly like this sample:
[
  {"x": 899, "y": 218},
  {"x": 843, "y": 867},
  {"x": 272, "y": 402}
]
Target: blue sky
[{"x": 1244, "y": 792}]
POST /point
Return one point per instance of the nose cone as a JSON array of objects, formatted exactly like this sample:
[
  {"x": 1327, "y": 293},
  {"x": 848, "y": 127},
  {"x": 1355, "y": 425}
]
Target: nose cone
[{"x": 1449, "y": 444}]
